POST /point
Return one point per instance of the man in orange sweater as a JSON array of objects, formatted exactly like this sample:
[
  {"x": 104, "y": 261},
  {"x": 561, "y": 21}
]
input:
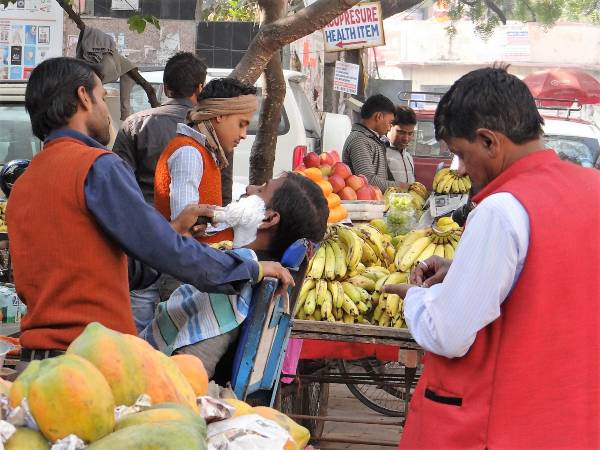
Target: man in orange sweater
[{"x": 77, "y": 212}]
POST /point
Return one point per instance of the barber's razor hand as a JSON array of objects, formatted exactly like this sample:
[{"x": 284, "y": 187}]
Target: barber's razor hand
[
  {"x": 431, "y": 271},
  {"x": 275, "y": 270},
  {"x": 193, "y": 219}
]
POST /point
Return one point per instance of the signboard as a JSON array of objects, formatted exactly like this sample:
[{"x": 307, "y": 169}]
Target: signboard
[
  {"x": 30, "y": 32},
  {"x": 125, "y": 5},
  {"x": 516, "y": 43},
  {"x": 346, "y": 77},
  {"x": 359, "y": 27}
]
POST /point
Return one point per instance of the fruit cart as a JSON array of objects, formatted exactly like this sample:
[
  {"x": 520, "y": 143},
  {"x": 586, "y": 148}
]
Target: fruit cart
[{"x": 366, "y": 359}]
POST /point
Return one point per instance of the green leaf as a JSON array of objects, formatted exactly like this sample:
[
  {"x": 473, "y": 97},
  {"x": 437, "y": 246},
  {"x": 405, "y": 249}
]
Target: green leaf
[
  {"x": 153, "y": 21},
  {"x": 137, "y": 24}
]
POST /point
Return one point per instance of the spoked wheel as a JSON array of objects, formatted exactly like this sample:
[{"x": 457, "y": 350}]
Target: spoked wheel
[
  {"x": 315, "y": 397},
  {"x": 383, "y": 384}
]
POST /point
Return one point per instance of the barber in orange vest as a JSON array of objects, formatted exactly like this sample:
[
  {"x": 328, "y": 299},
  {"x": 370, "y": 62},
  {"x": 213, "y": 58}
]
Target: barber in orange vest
[
  {"x": 189, "y": 169},
  {"x": 512, "y": 326}
]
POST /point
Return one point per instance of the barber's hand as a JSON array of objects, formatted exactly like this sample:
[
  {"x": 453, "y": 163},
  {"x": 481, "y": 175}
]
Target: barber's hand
[
  {"x": 431, "y": 271},
  {"x": 399, "y": 289},
  {"x": 185, "y": 222},
  {"x": 275, "y": 270}
]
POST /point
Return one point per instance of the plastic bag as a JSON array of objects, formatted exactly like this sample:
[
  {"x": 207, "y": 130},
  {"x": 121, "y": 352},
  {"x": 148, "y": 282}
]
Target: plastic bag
[
  {"x": 401, "y": 216},
  {"x": 249, "y": 432}
]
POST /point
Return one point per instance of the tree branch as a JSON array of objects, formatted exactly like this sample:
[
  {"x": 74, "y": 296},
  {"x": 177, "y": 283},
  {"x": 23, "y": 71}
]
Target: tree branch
[
  {"x": 72, "y": 14},
  {"x": 491, "y": 5},
  {"x": 531, "y": 10}
]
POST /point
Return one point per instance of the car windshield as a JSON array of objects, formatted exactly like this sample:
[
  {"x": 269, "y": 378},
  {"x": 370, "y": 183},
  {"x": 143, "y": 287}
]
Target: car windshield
[
  {"x": 580, "y": 150},
  {"x": 16, "y": 139},
  {"x": 424, "y": 143}
]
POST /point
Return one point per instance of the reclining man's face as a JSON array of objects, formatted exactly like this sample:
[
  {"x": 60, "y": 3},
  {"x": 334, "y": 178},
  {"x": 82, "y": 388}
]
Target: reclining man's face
[
  {"x": 266, "y": 192},
  {"x": 231, "y": 129}
]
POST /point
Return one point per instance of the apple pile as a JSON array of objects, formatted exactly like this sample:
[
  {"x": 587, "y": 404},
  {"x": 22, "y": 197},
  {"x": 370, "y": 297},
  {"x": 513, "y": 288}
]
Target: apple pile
[{"x": 338, "y": 174}]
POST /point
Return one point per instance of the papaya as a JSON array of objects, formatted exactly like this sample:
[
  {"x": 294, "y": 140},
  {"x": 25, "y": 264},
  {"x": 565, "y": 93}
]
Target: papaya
[
  {"x": 193, "y": 370},
  {"x": 241, "y": 408},
  {"x": 154, "y": 436},
  {"x": 163, "y": 412},
  {"x": 20, "y": 386},
  {"x": 133, "y": 367},
  {"x": 5, "y": 386},
  {"x": 71, "y": 396},
  {"x": 27, "y": 439},
  {"x": 299, "y": 434}
]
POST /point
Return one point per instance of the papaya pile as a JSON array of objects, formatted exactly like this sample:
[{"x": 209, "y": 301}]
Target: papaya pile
[{"x": 77, "y": 393}]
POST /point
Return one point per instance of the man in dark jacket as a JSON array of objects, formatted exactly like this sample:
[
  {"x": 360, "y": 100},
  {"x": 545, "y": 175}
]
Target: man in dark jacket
[{"x": 364, "y": 152}]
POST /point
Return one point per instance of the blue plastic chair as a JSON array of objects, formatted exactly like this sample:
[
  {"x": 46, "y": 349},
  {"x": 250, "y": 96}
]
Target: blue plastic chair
[{"x": 265, "y": 332}]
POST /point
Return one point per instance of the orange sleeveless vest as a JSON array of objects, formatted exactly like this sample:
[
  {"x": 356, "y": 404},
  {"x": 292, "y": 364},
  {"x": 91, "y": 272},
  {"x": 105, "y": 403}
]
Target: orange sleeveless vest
[
  {"x": 209, "y": 189},
  {"x": 67, "y": 270}
]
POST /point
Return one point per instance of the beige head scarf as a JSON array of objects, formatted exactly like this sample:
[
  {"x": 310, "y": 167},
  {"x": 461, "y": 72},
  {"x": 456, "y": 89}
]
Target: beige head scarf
[{"x": 210, "y": 108}]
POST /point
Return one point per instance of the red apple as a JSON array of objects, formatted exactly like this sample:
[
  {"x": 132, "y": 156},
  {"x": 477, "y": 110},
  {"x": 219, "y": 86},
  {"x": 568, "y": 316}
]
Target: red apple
[
  {"x": 355, "y": 182},
  {"x": 378, "y": 193},
  {"x": 311, "y": 160},
  {"x": 325, "y": 170},
  {"x": 341, "y": 170},
  {"x": 334, "y": 155},
  {"x": 337, "y": 183},
  {"x": 347, "y": 193},
  {"x": 364, "y": 179},
  {"x": 326, "y": 159},
  {"x": 365, "y": 193}
]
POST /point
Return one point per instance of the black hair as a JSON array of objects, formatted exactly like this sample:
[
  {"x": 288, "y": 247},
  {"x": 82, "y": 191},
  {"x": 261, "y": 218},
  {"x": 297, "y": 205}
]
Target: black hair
[
  {"x": 226, "y": 88},
  {"x": 183, "y": 73},
  {"x": 376, "y": 103},
  {"x": 303, "y": 212},
  {"x": 488, "y": 98},
  {"x": 404, "y": 115},
  {"x": 51, "y": 95}
]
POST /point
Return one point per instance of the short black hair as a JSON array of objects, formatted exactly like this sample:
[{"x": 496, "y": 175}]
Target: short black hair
[
  {"x": 226, "y": 88},
  {"x": 404, "y": 115},
  {"x": 51, "y": 95},
  {"x": 303, "y": 212},
  {"x": 183, "y": 73},
  {"x": 488, "y": 98},
  {"x": 377, "y": 103}
]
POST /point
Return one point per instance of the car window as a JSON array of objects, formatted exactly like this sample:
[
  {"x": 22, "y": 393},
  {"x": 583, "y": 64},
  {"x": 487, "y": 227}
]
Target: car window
[
  {"x": 580, "y": 150},
  {"x": 284, "y": 124},
  {"x": 311, "y": 123},
  {"x": 16, "y": 138},
  {"x": 424, "y": 143}
]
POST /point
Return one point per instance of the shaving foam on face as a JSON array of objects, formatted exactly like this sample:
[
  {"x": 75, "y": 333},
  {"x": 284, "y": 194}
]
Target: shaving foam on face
[{"x": 244, "y": 216}]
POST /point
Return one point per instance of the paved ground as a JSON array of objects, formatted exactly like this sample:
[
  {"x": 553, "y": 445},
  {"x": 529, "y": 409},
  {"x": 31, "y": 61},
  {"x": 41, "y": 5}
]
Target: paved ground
[{"x": 343, "y": 404}]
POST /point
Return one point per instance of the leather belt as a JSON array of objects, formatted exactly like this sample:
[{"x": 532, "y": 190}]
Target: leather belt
[{"x": 33, "y": 354}]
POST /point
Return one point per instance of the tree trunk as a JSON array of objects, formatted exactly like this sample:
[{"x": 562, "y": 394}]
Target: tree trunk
[
  {"x": 133, "y": 73},
  {"x": 262, "y": 155}
]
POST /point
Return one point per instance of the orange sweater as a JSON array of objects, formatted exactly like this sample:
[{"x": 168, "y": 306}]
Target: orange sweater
[
  {"x": 66, "y": 270},
  {"x": 209, "y": 190}
]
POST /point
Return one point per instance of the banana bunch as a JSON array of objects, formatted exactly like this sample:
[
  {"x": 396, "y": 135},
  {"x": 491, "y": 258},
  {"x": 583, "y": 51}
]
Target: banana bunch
[
  {"x": 223, "y": 245},
  {"x": 448, "y": 181},
  {"x": 3, "y": 227},
  {"x": 419, "y": 193},
  {"x": 418, "y": 245}
]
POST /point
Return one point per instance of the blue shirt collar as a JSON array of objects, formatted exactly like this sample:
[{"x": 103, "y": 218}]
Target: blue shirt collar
[{"x": 69, "y": 132}]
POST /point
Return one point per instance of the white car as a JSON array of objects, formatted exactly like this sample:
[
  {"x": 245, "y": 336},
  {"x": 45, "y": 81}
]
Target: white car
[
  {"x": 573, "y": 140},
  {"x": 300, "y": 130}
]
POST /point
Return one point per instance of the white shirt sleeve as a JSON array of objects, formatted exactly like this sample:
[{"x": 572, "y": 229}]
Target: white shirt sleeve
[
  {"x": 445, "y": 318},
  {"x": 186, "y": 169}
]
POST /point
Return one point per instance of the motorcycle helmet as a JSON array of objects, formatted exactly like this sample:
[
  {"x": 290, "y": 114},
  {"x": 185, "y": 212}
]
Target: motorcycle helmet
[{"x": 10, "y": 172}]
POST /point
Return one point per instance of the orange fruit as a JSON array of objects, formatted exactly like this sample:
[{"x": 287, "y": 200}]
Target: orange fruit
[
  {"x": 337, "y": 214},
  {"x": 314, "y": 173},
  {"x": 193, "y": 370},
  {"x": 325, "y": 187},
  {"x": 333, "y": 200}
]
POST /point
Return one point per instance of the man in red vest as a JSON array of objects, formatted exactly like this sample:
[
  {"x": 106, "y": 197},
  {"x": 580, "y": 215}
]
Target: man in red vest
[
  {"x": 77, "y": 212},
  {"x": 513, "y": 328}
]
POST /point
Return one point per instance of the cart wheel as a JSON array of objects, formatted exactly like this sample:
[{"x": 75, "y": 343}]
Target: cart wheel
[
  {"x": 380, "y": 397},
  {"x": 315, "y": 397}
]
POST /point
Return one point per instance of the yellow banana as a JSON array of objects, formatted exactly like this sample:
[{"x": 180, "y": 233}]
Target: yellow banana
[
  {"x": 349, "y": 306},
  {"x": 318, "y": 263},
  {"x": 444, "y": 220},
  {"x": 330, "y": 317},
  {"x": 340, "y": 259},
  {"x": 400, "y": 324},
  {"x": 311, "y": 303},
  {"x": 448, "y": 184},
  {"x": 327, "y": 305},
  {"x": 380, "y": 283},
  {"x": 364, "y": 295},
  {"x": 372, "y": 235},
  {"x": 338, "y": 313},
  {"x": 390, "y": 252},
  {"x": 321, "y": 289},
  {"x": 362, "y": 282},
  {"x": 333, "y": 289},
  {"x": 362, "y": 307},
  {"x": 392, "y": 304},
  {"x": 351, "y": 292},
  {"x": 467, "y": 182},
  {"x": 348, "y": 318},
  {"x": 377, "y": 312},
  {"x": 368, "y": 254},
  {"x": 410, "y": 238},
  {"x": 307, "y": 286},
  {"x": 385, "y": 320},
  {"x": 439, "y": 250},
  {"x": 317, "y": 314},
  {"x": 397, "y": 278},
  {"x": 301, "y": 315},
  {"x": 329, "y": 269},
  {"x": 413, "y": 253},
  {"x": 462, "y": 187},
  {"x": 454, "y": 188},
  {"x": 353, "y": 246},
  {"x": 438, "y": 176},
  {"x": 448, "y": 251}
]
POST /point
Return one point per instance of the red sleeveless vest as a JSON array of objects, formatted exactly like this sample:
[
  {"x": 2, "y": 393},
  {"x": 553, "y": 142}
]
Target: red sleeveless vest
[
  {"x": 531, "y": 379},
  {"x": 209, "y": 189},
  {"x": 66, "y": 269}
]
